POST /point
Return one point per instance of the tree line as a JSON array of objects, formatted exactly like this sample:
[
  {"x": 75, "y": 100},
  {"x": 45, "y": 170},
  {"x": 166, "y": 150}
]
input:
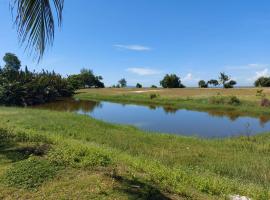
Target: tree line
[
  {"x": 23, "y": 87},
  {"x": 174, "y": 81}
]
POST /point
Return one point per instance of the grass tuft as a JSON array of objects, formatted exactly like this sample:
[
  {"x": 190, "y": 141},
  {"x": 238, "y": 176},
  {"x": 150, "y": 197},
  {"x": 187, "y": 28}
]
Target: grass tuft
[{"x": 30, "y": 173}]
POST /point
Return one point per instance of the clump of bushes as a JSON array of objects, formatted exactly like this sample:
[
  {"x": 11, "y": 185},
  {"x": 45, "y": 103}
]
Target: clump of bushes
[
  {"x": 153, "y": 96},
  {"x": 260, "y": 93},
  {"x": 265, "y": 102},
  {"x": 30, "y": 173},
  {"x": 232, "y": 100}
]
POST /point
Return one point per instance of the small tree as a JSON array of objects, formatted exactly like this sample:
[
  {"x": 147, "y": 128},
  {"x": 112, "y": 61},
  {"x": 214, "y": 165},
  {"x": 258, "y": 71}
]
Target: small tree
[
  {"x": 171, "y": 81},
  {"x": 153, "y": 86},
  {"x": 226, "y": 81},
  {"x": 213, "y": 82},
  {"x": 138, "y": 85},
  {"x": 202, "y": 84},
  {"x": 122, "y": 82}
]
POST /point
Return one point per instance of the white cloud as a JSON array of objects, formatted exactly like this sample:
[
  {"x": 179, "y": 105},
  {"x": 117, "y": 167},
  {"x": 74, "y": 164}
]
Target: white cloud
[
  {"x": 188, "y": 77},
  {"x": 133, "y": 47},
  {"x": 143, "y": 71},
  {"x": 258, "y": 74}
]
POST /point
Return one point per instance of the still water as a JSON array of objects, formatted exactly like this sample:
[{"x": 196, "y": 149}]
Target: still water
[{"x": 168, "y": 120}]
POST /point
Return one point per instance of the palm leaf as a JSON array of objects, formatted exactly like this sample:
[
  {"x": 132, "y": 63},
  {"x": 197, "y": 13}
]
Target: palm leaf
[{"x": 35, "y": 22}]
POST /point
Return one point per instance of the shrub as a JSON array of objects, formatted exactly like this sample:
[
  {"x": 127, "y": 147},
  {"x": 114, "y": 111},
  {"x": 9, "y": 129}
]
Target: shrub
[
  {"x": 233, "y": 100},
  {"x": 153, "y": 96},
  {"x": 259, "y": 93},
  {"x": 265, "y": 102},
  {"x": 30, "y": 173},
  {"x": 78, "y": 156},
  {"x": 217, "y": 100}
]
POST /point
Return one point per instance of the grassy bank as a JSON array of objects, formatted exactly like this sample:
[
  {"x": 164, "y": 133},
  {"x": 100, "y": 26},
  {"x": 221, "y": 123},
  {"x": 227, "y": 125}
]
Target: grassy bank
[
  {"x": 87, "y": 158},
  {"x": 194, "y": 99}
]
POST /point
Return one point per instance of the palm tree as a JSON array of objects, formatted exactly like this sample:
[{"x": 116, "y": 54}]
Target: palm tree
[{"x": 35, "y": 23}]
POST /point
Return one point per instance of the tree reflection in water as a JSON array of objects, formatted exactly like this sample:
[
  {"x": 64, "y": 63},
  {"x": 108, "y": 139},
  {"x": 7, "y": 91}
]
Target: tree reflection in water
[{"x": 71, "y": 105}]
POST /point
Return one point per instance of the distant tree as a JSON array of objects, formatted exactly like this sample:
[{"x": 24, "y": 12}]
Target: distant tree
[
  {"x": 122, "y": 82},
  {"x": 153, "y": 86},
  {"x": 213, "y": 82},
  {"x": 12, "y": 66},
  {"x": 138, "y": 85},
  {"x": 171, "y": 81},
  {"x": 226, "y": 81},
  {"x": 262, "y": 82},
  {"x": 230, "y": 84},
  {"x": 202, "y": 84},
  {"x": 223, "y": 78},
  {"x": 12, "y": 62},
  {"x": 86, "y": 78}
]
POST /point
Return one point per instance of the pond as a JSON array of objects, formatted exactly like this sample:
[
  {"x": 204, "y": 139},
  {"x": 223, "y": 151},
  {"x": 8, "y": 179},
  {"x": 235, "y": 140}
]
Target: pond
[{"x": 168, "y": 120}]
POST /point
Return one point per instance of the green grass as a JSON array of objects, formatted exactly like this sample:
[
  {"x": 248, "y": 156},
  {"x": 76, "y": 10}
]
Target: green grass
[{"x": 127, "y": 161}]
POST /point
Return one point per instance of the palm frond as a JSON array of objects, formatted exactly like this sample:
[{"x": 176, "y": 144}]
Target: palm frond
[{"x": 35, "y": 22}]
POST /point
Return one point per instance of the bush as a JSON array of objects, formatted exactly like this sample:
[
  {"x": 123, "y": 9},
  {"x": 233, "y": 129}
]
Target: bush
[
  {"x": 30, "y": 173},
  {"x": 260, "y": 93},
  {"x": 233, "y": 100},
  {"x": 153, "y": 96},
  {"x": 217, "y": 100},
  {"x": 265, "y": 102}
]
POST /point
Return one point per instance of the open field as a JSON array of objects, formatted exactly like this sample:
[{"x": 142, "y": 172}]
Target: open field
[
  {"x": 87, "y": 158},
  {"x": 243, "y": 93}
]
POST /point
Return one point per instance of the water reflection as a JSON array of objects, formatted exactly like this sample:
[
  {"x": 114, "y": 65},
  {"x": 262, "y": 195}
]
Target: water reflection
[
  {"x": 204, "y": 123},
  {"x": 71, "y": 105}
]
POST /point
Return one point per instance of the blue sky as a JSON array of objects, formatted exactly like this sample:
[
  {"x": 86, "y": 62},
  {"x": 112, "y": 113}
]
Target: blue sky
[{"x": 142, "y": 40}]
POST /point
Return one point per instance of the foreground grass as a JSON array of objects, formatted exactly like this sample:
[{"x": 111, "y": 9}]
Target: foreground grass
[
  {"x": 211, "y": 100},
  {"x": 88, "y": 158}
]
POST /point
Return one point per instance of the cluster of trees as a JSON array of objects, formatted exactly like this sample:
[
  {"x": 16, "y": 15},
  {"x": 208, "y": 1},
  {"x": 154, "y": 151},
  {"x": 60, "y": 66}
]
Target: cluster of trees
[
  {"x": 262, "y": 82},
  {"x": 23, "y": 87},
  {"x": 85, "y": 79},
  {"x": 121, "y": 83},
  {"x": 224, "y": 80},
  {"x": 171, "y": 81}
]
